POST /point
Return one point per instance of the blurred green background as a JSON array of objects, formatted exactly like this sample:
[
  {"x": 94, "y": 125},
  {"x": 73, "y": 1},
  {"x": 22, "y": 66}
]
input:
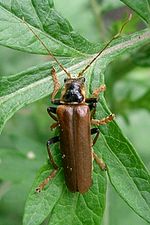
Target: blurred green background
[{"x": 128, "y": 95}]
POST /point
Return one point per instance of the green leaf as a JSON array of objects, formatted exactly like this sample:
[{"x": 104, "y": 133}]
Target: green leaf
[
  {"x": 21, "y": 89},
  {"x": 39, "y": 206},
  {"x": 55, "y": 31},
  {"x": 63, "y": 206},
  {"x": 142, "y": 8}
]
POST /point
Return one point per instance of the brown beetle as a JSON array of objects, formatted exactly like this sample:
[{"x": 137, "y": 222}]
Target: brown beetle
[
  {"x": 74, "y": 119},
  {"x": 74, "y": 116}
]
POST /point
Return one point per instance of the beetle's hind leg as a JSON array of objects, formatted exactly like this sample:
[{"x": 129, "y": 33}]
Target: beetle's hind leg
[
  {"x": 53, "y": 173},
  {"x": 98, "y": 160},
  {"x": 49, "y": 142}
]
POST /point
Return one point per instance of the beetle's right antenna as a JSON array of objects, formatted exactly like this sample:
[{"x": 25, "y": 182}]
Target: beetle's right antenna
[
  {"x": 113, "y": 38},
  {"x": 56, "y": 60}
]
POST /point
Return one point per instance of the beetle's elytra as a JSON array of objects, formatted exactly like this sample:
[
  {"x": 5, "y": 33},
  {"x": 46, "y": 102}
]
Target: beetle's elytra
[{"x": 74, "y": 117}]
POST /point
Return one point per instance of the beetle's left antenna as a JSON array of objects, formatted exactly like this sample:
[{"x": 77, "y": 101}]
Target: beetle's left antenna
[
  {"x": 107, "y": 44},
  {"x": 56, "y": 60}
]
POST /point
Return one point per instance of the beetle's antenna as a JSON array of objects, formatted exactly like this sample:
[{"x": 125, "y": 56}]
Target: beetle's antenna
[
  {"x": 56, "y": 60},
  {"x": 113, "y": 38}
]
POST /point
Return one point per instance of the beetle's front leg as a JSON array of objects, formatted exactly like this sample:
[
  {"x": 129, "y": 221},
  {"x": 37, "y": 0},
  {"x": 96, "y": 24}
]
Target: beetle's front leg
[
  {"x": 92, "y": 101},
  {"x": 98, "y": 160},
  {"x": 56, "y": 89},
  {"x": 92, "y": 105},
  {"x": 53, "y": 173},
  {"x": 56, "y": 84},
  {"x": 98, "y": 90},
  {"x": 94, "y": 98}
]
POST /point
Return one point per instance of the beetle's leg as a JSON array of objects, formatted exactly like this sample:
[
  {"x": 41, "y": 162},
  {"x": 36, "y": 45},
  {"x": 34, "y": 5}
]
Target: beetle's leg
[
  {"x": 56, "y": 84},
  {"x": 49, "y": 142},
  {"x": 92, "y": 105},
  {"x": 53, "y": 173},
  {"x": 91, "y": 100},
  {"x": 51, "y": 111},
  {"x": 54, "y": 125},
  {"x": 95, "y": 131},
  {"x": 56, "y": 87},
  {"x": 99, "y": 90},
  {"x": 103, "y": 121},
  {"x": 45, "y": 182},
  {"x": 99, "y": 161}
]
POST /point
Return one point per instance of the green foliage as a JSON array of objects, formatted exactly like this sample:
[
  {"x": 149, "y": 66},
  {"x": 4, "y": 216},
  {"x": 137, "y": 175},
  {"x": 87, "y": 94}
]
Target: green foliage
[
  {"x": 142, "y": 8},
  {"x": 126, "y": 171}
]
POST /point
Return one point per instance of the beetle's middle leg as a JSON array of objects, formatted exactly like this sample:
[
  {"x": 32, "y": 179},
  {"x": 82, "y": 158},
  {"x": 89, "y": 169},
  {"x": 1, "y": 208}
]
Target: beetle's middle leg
[
  {"x": 98, "y": 160},
  {"x": 53, "y": 173},
  {"x": 103, "y": 121}
]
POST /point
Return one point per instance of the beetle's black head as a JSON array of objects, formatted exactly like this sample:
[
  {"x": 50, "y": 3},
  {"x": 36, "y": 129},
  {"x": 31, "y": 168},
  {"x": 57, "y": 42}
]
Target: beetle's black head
[{"x": 74, "y": 91}]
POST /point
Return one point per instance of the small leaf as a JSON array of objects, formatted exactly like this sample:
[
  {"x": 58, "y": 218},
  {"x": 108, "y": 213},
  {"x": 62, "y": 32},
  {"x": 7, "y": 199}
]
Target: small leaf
[{"x": 142, "y": 8}]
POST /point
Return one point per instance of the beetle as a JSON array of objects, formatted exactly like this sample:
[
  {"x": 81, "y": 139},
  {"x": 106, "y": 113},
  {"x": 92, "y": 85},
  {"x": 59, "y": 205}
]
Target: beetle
[{"x": 74, "y": 117}]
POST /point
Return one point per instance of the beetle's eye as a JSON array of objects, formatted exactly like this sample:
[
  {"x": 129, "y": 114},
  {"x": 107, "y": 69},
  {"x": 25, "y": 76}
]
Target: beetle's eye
[{"x": 65, "y": 80}]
